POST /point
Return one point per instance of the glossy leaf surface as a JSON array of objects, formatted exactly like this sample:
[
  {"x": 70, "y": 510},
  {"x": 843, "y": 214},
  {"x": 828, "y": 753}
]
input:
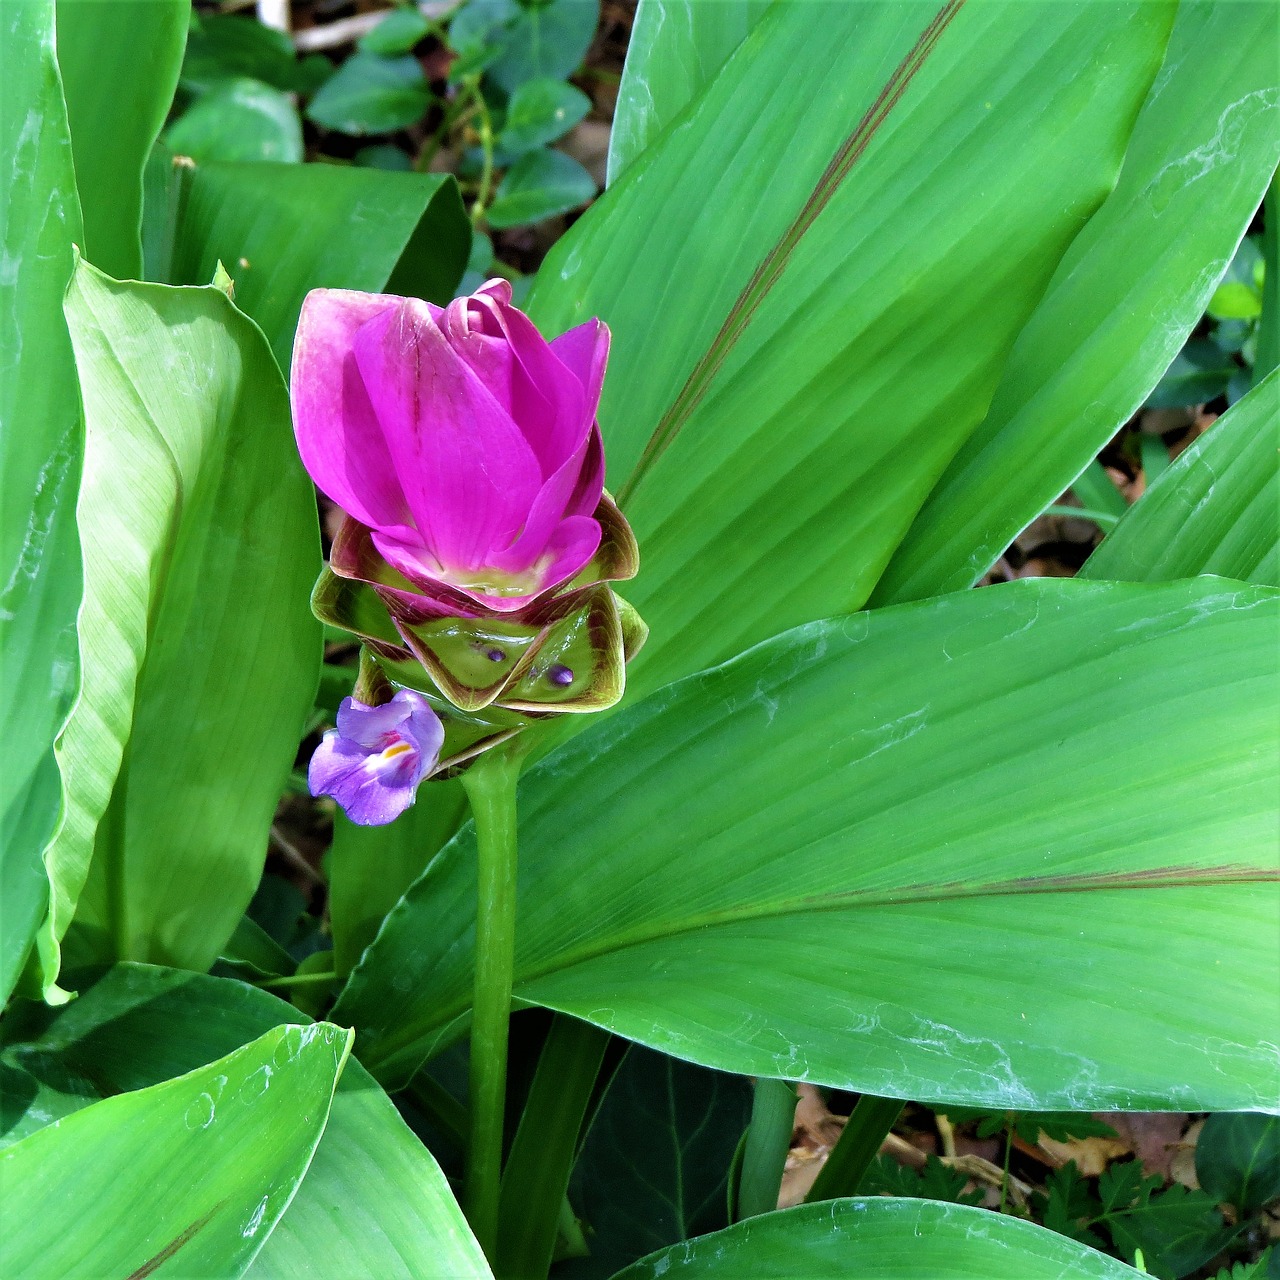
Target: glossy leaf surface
[
  {"x": 790, "y": 372},
  {"x": 120, "y": 64},
  {"x": 882, "y": 1239},
  {"x": 675, "y": 51},
  {"x": 1215, "y": 510},
  {"x": 283, "y": 230},
  {"x": 187, "y": 1177},
  {"x": 888, "y": 806},
  {"x": 39, "y": 466},
  {"x": 1124, "y": 299},
  {"x": 373, "y": 1201},
  {"x": 199, "y": 652}
]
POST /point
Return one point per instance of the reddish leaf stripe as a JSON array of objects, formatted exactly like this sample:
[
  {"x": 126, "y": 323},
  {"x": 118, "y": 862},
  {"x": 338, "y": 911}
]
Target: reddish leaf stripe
[{"x": 775, "y": 261}]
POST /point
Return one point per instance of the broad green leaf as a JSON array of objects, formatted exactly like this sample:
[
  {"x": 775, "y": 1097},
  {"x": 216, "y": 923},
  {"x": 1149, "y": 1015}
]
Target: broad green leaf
[
  {"x": 372, "y": 94},
  {"x": 39, "y": 466},
  {"x": 282, "y": 230},
  {"x": 868, "y": 853},
  {"x": 1125, "y": 297},
  {"x": 655, "y": 1166},
  {"x": 1238, "y": 1160},
  {"x": 882, "y": 1239},
  {"x": 1199, "y": 372},
  {"x": 196, "y": 1170},
  {"x": 1215, "y": 510},
  {"x": 525, "y": 41},
  {"x": 398, "y": 32},
  {"x": 239, "y": 121},
  {"x": 812, "y": 293},
  {"x": 120, "y": 64},
  {"x": 199, "y": 652},
  {"x": 371, "y": 867},
  {"x": 541, "y": 111},
  {"x": 675, "y": 51},
  {"x": 540, "y": 185},
  {"x": 373, "y": 1201},
  {"x": 222, "y": 47}
]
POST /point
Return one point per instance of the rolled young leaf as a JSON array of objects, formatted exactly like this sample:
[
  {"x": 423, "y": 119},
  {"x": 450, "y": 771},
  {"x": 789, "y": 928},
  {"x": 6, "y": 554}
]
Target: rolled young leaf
[
  {"x": 199, "y": 652},
  {"x": 887, "y": 807},
  {"x": 197, "y": 1169},
  {"x": 1215, "y": 510}
]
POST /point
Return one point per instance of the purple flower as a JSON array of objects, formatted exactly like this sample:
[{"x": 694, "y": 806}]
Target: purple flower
[
  {"x": 463, "y": 441},
  {"x": 372, "y": 763}
]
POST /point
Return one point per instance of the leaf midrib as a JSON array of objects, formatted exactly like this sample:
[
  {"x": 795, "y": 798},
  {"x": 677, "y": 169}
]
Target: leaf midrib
[
  {"x": 954, "y": 891},
  {"x": 774, "y": 263}
]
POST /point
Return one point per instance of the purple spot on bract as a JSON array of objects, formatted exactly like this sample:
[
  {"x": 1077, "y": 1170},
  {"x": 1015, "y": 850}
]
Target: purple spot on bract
[
  {"x": 560, "y": 674},
  {"x": 496, "y": 655}
]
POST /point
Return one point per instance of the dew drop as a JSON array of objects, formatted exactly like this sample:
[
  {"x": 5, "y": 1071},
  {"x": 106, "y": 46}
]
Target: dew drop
[
  {"x": 496, "y": 655},
  {"x": 559, "y": 674}
]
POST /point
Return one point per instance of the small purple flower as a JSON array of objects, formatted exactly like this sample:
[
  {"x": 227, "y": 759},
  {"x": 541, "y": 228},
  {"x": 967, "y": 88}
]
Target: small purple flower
[{"x": 373, "y": 762}]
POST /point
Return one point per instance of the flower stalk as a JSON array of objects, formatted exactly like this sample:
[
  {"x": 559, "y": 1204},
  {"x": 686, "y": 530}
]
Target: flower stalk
[{"x": 491, "y": 787}]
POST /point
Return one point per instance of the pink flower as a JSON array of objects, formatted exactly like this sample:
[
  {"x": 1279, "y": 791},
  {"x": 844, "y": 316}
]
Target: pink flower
[{"x": 462, "y": 440}]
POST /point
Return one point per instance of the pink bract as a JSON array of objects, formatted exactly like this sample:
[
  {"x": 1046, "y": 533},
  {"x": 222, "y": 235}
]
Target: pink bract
[{"x": 465, "y": 441}]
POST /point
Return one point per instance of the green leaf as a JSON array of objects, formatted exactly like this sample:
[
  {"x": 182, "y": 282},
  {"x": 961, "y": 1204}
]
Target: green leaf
[
  {"x": 198, "y": 649},
  {"x": 197, "y": 1169},
  {"x": 881, "y": 1240},
  {"x": 372, "y": 94},
  {"x": 240, "y": 120},
  {"x": 1235, "y": 301},
  {"x": 1213, "y": 511},
  {"x": 282, "y": 230},
  {"x": 801, "y": 341},
  {"x": 838, "y": 800},
  {"x": 675, "y": 51},
  {"x": 541, "y": 111},
  {"x": 222, "y": 47},
  {"x": 1126, "y": 295},
  {"x": 1070, "y": 1203},
  {"x": 373, "y": 1201},
  {"x": 120, "y": 64},
  {"x": 655, "y": 1166},
  {"x": 1177, "y": 1231},
  {"x": 540, "y": 185},
  {"x": 40, "y": 580},
  {"x": 1199, "y": 372},
  {"x": 936, "y": 1181},
  {"x": 522, "y": 41},
  {"x": 371, "y": 867},
  {"x": 398, "y": 32},
  {"x": 1238, "y": 1160}
]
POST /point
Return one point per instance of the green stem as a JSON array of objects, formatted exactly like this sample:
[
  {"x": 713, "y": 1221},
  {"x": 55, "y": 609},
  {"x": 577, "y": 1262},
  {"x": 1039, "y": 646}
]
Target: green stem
[
  {"x": 852, "y": 1155},
  {"x": 773, "y": 1119},
  {"x": 485, "y": 129},
  {"x": 491, "y": 788},
  {"x": 1267, "y": 355},
  {"x": 545, "y": 1146}
]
